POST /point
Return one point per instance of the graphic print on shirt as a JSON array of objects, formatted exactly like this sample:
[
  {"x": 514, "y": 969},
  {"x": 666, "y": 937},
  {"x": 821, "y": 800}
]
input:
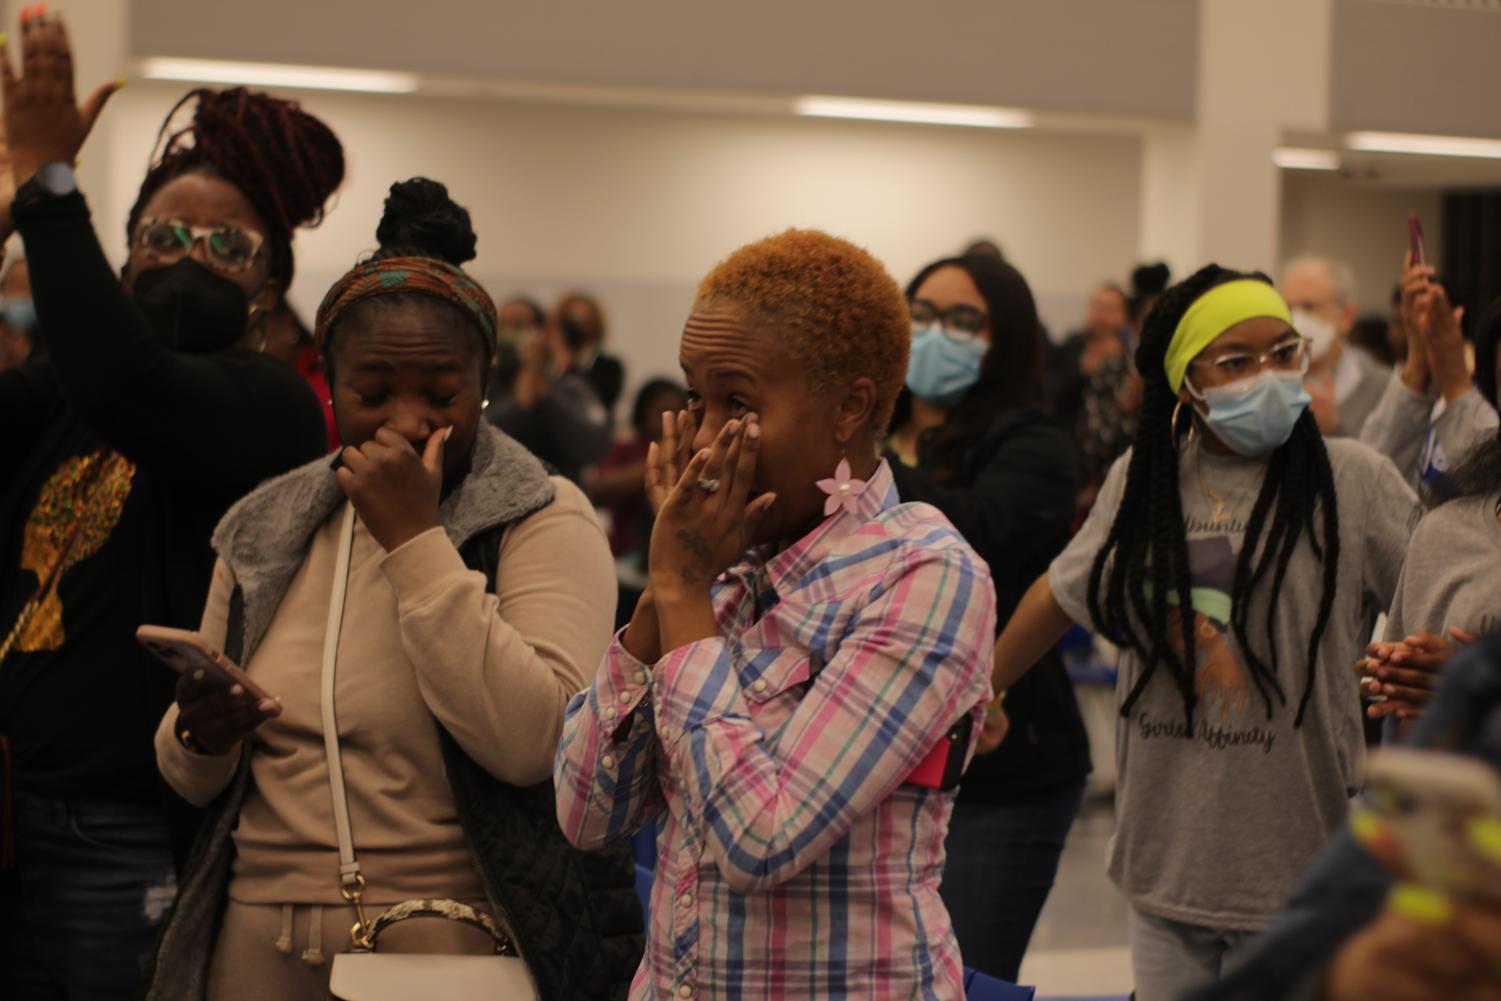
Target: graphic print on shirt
[
  {"x": 1220, "y": 679},
  {"x": 75, "y": 512},
  {"x": 1223, "y": 718}
]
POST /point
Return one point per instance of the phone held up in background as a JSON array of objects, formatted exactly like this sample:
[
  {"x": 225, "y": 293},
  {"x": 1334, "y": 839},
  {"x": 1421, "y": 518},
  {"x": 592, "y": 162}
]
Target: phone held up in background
[{"x": 1415, "y": 239}]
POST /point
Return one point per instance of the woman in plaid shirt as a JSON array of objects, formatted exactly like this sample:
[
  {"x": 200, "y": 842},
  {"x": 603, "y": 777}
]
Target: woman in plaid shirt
[{"x": 806, "y": 655}]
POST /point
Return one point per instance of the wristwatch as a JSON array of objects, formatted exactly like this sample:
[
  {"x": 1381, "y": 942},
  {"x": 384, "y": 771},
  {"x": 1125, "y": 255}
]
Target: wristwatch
[{"x": 52, "y": 180}]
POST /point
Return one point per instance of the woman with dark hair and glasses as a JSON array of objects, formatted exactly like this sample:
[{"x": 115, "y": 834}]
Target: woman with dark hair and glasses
[
  {"x": 153, "y": 413},
  {"x": 1002, "y": 471}
]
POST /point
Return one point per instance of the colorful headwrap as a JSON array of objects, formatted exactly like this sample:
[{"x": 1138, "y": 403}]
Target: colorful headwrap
[
  {"x": 1215, "y": 312},
  {"x": 406, "y": 275}
]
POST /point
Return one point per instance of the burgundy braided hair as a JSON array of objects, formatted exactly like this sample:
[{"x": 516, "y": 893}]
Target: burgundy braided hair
[{"x": 285, "y": 161}]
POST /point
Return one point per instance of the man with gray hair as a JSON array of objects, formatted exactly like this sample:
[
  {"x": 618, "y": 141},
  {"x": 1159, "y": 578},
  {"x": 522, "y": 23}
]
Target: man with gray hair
[{"x": 1345, "y": 382}]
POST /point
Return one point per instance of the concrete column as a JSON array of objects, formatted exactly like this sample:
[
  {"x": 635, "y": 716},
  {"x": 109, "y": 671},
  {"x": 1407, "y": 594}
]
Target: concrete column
[
  {"x": 1212, "y": 193},
  {"x": 1170, "y": 203}
]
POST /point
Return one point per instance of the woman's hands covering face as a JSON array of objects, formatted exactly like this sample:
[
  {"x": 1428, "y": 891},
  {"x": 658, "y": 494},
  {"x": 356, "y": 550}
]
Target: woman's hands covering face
[
  {"x": 666, "y": 461},
  {"x": 394, "y": 490},
  {"x": 706, "y": 519}
]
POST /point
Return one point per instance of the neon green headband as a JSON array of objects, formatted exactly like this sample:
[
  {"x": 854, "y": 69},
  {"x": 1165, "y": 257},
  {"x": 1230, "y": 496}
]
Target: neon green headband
[{"x": 1215, "y": 312}]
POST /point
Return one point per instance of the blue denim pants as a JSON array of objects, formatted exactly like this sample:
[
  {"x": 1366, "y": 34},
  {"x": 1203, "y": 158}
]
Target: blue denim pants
[
  {"x": 79, "y": 913},
  {"x": 1002, "y": 858}
]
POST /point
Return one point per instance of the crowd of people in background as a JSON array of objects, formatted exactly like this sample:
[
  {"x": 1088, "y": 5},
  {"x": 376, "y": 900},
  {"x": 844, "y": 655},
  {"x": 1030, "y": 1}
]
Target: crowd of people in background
[{"x": 793, "y": 617}]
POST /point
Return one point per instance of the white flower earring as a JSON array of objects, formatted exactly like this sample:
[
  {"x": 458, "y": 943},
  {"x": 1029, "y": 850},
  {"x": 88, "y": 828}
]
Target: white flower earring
[{"x": 844, "y": 490}]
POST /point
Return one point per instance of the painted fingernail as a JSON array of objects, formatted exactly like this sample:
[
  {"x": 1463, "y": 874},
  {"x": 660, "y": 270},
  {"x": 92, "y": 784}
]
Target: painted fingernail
[
  {"x": 1364, "y": 825},
  {"x": 1485, "y": 837},
  {"x": 120, "y": 84},
  {"x": 4, "y": 38},
  {"x": 1421, "y": 905},
  {"x": 237, "y": 690}
]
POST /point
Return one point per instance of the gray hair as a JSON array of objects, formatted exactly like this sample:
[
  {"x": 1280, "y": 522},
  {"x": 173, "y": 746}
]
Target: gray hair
[{"x": 1341, "y": 280}]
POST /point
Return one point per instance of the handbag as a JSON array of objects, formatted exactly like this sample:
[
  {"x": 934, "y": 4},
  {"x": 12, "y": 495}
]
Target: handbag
[{"x": 368, "y": 975}]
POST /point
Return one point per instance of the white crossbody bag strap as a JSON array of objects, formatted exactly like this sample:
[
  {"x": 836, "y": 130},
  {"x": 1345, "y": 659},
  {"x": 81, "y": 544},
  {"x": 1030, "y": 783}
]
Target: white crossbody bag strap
[
  {"x": 363, "y": 975},
  {"x": 349, "y": 866}
]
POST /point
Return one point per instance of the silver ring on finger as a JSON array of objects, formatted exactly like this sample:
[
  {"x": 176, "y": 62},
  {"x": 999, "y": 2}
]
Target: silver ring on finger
[{"x": 709, "y": 486}]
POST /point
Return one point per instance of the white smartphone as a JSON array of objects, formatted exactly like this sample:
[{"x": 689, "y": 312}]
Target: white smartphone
[
  {"x": 185, "y": 651},
  {"x": 1425, "y": 806}
]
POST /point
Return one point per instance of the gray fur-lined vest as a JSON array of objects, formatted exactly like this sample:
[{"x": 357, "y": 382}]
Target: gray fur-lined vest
[{"x": 574, "y": 915}]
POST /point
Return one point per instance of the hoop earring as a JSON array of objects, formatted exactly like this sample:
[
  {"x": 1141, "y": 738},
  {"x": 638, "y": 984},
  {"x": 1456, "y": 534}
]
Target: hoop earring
[{"x": 1172, "y": 427}]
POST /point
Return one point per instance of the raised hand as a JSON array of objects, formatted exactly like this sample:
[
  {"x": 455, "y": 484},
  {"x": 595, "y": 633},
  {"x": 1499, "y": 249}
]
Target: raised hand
[
  {"x": 1415, "y": 281},
  {"x": 43, "y": 120},
  {"x": 1440, "y": 322}
]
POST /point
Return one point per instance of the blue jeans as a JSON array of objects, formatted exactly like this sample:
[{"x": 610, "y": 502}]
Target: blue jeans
[
  {"x": 1002, "y": 858},
  {"x": 79, "y": 914}
]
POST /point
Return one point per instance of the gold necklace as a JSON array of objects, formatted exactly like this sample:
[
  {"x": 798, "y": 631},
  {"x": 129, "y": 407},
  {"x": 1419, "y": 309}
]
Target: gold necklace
[{"x": 1220, "y": 515}]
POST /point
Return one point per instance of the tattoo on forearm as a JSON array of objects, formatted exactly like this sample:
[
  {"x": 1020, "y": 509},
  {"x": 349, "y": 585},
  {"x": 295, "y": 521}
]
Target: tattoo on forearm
[{"x": 697, "y": 571}]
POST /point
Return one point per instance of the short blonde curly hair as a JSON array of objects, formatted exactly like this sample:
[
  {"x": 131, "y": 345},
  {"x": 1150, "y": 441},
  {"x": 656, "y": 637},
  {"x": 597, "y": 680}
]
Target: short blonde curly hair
[{"x": 831, "y": 303}]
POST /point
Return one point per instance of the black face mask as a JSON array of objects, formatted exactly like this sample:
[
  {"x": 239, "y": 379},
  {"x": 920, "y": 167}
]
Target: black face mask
[
  {"x": 575, "y": 334},
  {"x": 191, "y": 308}
]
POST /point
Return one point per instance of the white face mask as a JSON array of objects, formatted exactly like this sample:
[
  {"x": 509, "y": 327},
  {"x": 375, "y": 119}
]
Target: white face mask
[{"x": 1319, "y": 332}]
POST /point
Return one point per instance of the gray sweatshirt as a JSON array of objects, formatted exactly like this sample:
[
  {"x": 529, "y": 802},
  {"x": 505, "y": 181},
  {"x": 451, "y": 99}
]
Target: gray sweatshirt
[
  {"x": 1423, "y": 435},
  {"x": 1216, "y": 822},
  {"x": 1452, "y": 576}
]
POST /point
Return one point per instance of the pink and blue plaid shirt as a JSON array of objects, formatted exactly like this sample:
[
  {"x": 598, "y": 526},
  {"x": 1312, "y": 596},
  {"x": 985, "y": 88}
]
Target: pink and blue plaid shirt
[{"x": 793, "y": 860}]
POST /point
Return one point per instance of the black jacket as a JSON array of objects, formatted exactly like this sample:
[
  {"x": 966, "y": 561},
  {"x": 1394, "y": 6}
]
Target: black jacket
[
  {"x": 1013, "y": 501},
  {"x": 199, "y": 431}
]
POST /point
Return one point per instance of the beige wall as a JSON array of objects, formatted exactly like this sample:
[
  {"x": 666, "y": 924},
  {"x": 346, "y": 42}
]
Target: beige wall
[{"x": 638, "y": 205}]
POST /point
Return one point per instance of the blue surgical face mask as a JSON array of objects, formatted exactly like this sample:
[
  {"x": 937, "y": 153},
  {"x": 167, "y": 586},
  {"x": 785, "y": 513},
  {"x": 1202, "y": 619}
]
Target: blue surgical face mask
[
  {"x": 18, "y": 313},
  {"x": 1254, "y": 416},
  {"x": 941, "y": 370}
]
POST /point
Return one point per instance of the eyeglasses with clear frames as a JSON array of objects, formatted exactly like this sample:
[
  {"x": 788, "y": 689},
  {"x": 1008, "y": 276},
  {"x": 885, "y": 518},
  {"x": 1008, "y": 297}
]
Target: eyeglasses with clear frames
[
  {"x": 1289, "y": 355},
  {"x": 226, "y": 248}
]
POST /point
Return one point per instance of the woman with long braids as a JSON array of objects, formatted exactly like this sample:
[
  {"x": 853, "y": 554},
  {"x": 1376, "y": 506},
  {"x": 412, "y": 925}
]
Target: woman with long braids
[
  {"x": 155, "y": 411},
  {"x": 1237, "y": 559}
]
